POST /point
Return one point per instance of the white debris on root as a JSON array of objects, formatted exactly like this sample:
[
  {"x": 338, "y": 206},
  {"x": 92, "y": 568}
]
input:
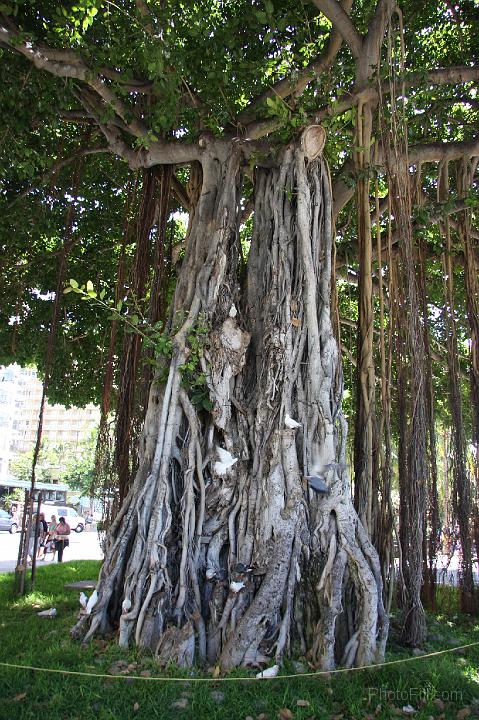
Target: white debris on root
[
  {"x": 290, "y": 422},
  {"x": 91, "y": 602},
  {"x": 226, "y": 461},
  {"x": 269, "y": 672},
  {"x": 51, "y": 613}
]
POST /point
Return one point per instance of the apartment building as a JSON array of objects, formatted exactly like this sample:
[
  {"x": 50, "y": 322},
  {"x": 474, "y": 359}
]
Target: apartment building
[{"x": 20, "y": 397}]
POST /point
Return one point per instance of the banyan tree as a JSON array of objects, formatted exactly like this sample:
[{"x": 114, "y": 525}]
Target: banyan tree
[{"x": 222, "y": 549}]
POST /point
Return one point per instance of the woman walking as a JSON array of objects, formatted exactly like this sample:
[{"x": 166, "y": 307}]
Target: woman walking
[{"x": 61, "y": 542}]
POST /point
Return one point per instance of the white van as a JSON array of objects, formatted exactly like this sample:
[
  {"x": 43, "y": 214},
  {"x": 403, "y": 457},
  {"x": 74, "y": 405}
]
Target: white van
[{"x": 74, "y": 520}]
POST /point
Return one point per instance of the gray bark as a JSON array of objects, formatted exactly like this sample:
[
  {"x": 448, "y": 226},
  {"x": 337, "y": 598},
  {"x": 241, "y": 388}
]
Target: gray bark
[{"x": 235, "y": 566}]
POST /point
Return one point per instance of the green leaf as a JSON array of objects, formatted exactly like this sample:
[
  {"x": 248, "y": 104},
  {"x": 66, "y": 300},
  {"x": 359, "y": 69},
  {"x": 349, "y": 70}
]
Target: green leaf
[
  {"x": 73, "y": 283},
  {"x": 67, "y": 290},
  {"x": 89, "y": 286}
]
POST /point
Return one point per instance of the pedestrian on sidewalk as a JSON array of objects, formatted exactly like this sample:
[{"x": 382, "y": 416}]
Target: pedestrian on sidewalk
[{"x": 62, "y": 541}]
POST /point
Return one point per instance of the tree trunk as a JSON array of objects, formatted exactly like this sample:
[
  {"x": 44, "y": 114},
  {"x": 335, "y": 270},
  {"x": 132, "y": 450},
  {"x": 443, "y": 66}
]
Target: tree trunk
[{"x": 231, "y": 565}]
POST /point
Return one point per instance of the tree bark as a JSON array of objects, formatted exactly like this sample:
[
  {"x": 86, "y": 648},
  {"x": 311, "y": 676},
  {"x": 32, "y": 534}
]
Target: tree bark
[{"x": 235, "y": 565}]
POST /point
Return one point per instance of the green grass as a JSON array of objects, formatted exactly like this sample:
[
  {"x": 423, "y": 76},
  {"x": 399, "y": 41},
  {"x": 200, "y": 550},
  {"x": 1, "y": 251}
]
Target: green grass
[{"x": 30, "y": 640}]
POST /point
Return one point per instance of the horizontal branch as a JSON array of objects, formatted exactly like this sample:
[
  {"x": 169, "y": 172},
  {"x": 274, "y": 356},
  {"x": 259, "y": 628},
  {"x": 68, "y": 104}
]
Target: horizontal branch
[
  {"x": 169, "y": 152},
  {"x": 454, "y": 75},
  {"x": 343, "y": 190},
  {"x": 443, "y": 151}
]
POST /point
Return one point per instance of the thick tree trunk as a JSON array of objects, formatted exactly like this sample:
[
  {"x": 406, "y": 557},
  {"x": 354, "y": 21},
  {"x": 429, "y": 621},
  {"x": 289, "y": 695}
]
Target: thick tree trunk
[{"x": 231, "y": 565}]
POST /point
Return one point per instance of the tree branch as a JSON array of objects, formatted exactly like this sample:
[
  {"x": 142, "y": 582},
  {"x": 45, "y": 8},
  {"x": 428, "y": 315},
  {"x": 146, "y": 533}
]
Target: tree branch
[
  {"x": 374, "y": 39},
  {"x": 145, "y": 15},
  {"x": 55, "y": 168},
  {"x": 343, "y": 191},
  {"x": 453, "y": 75},
  {"x": 284, "y": 88},
  {"x": 342, "y": 23},
  {"x": 66, "y": 64},
  {"x": 442, "y": 151},
  {"x": 179, "y": 192},
  {"x": 158, "y": 153}
]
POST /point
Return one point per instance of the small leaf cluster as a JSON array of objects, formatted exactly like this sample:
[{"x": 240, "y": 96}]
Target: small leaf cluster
[
  {"x": 153, "y": 335},
  {"x": 193, "y": 377}
]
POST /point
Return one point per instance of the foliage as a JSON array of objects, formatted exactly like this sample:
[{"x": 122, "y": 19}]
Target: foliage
[
  {"x": 224, "y": 54},
  {"x": 155, "y": 338},
  {"x": 67, "y": 463}
]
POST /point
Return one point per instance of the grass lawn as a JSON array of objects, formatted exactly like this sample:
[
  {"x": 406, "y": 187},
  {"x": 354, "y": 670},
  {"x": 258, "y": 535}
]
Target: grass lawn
[{"x": 445, "y": 686}]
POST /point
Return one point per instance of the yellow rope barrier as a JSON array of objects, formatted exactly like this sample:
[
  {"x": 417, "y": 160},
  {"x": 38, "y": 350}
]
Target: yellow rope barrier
[{"x": 297, "y": 676}]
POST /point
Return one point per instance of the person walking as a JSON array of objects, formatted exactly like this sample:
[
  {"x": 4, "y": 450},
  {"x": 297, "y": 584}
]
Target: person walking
[
  {"x": 62, "y": 541},
  {"x": 51, "y": 537},
  {"x": 42, "y": 537}
]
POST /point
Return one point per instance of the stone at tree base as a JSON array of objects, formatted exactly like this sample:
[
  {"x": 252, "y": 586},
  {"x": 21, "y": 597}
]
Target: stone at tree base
[
  {"x": 299, "y": 667},
  {"x": 81, "y": 585}
]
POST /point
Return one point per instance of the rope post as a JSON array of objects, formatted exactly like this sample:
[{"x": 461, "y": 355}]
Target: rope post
[
  {"x": 21, "y": 548},
  {"x": 35, "y": 542}
]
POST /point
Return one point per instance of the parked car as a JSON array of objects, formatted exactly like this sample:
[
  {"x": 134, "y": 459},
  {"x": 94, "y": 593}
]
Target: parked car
[
  {"x": 74, "y": 520},
  {"x": 8, "y": 522}
]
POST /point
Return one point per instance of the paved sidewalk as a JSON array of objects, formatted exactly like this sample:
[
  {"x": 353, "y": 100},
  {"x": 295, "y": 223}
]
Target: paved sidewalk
[{"x": 83, "y": 546}]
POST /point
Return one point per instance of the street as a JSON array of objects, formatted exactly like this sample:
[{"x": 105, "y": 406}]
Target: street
[{"x": 83, "y": 546}]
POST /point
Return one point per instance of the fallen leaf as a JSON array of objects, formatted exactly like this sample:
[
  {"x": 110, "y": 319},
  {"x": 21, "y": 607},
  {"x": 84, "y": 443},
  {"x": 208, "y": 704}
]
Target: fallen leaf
[
  {"x": 285, "y": 714},
  {"x": 20, "y": 696},
  {"x": 262, "y": 716},
  {"x": 118, "y": 668},
  {"x": 295, "y": 322},
  {"x": 463, "y": 713},
  {"x": 181, "y": 704},
  {"x": 136, "y": 707},
  {"x": 216, "y": 671},
  {"x": 218, "y": 696},
  {"x": 378, "y": 710},
  {"x": 145, "y": 673},
  {"x": 303, "y": 703}
]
